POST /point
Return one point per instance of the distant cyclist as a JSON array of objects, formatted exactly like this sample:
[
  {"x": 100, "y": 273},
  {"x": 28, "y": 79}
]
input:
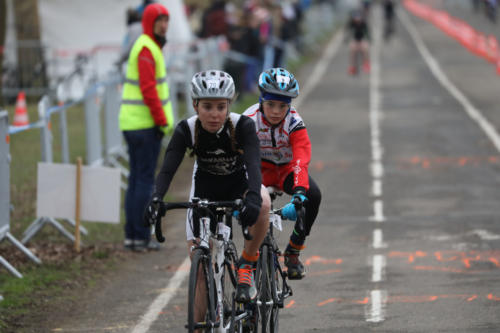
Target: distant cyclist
[
  {"x": 389, "y": 11},
  {"x": 358, "y": 33},
  {"x": 285, "y": 150},
  {"x": 227, "y": 164}
]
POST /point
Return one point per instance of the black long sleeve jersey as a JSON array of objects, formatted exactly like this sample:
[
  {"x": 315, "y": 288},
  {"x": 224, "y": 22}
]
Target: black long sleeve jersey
[{"x": 215, "y": 157}]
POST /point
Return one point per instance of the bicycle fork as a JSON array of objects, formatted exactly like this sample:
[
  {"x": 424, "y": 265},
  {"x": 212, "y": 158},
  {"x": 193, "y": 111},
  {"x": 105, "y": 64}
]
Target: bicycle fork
[{"x": 219, "y": 269}]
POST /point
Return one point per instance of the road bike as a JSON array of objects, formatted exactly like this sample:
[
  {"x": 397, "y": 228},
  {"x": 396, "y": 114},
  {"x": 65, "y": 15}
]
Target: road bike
[
  {"x": 212, "y": 277},
  {"x": 270, "y": 277}
]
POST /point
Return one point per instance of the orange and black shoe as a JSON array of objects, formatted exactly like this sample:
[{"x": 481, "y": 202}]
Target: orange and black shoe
[
  {"x": 246, "y": 290},
  {"x": 296, "y": 270}
]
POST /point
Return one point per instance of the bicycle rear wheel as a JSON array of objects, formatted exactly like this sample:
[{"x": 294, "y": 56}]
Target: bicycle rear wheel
[{"x": 201, "y": 304}]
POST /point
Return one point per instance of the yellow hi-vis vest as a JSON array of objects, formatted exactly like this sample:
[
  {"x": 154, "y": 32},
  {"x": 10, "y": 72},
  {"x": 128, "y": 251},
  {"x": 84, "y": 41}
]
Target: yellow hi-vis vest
[{"x": 134, "y": 113}]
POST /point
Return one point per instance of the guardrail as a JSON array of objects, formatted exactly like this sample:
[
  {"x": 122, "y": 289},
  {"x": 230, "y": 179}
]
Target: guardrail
[{"x": 5, "y": 195}]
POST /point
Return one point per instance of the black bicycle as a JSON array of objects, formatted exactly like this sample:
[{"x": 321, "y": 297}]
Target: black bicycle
[
  {"x": 270, "y": 278},
  {"x": 212, "y": 279}
]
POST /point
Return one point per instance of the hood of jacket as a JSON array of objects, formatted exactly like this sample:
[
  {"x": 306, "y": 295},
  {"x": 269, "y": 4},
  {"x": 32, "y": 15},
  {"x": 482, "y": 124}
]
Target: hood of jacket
[{"x": 149, "y": 17}]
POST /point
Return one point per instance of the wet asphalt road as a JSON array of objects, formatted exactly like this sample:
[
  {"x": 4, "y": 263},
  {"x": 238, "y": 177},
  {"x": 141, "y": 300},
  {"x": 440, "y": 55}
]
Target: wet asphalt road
[{"x": 408, "y": 235}]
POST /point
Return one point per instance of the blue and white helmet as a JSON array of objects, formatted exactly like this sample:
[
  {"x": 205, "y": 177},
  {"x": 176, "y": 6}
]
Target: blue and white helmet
[{"x": 278, "y": 81}]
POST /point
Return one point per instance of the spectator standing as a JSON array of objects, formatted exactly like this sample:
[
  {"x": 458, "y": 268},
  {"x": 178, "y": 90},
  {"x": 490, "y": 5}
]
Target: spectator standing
[
  {"x": 145, "y": 116},
  {"x": 214, "y": 22},
  {"x": 244, "y": 42},
  {"x": 142, "y": 6},
  {"x": 134, "y": 30}
]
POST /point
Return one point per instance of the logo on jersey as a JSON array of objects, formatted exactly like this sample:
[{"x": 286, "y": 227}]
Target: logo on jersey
[{"x": 218, "y": 151}]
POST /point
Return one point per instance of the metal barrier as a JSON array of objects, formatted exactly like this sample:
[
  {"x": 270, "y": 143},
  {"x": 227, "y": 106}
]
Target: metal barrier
[{"x": 5, "y": 195}]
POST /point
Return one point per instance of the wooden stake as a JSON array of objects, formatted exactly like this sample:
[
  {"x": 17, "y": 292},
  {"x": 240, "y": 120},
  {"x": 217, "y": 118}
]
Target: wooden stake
[{"x": 77, "y": 203}]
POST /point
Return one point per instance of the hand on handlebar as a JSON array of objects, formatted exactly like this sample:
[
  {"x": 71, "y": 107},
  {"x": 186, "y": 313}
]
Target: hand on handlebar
[
  {"x": 154, "y": 211},
  {"x": 250, "y": 211},
  {"x": 289, "y": 212}
]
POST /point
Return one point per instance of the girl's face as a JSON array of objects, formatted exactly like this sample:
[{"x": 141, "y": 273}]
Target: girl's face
[
  {"x": 212, "y": 113},
  {"x": 275, "y": 111}
]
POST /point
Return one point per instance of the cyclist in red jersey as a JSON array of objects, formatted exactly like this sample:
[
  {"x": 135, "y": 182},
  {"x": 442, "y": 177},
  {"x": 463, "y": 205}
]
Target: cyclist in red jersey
[{"x": 285, "y": 151}]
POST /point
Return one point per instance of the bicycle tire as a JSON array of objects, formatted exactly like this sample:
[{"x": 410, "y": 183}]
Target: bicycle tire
[
  {"x": 200, "y": 260},
  {"x": 275, "y": 284},
  {"x": 229, "y": 283},
  {"x": 264, "y": 290}
]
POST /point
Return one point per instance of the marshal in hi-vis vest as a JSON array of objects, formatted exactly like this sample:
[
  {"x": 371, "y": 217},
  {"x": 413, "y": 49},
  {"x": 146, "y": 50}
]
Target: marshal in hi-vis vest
[{"x": 134, "y": 113}]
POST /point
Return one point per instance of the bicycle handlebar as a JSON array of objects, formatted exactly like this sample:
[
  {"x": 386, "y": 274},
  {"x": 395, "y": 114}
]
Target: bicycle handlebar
[
  {"x": 197, "y": 203},
  {"x": 300, "y": 209}
]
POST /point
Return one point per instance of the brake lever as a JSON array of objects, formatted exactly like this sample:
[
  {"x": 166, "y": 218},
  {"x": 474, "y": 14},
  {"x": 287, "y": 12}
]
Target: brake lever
[{"x": 299, "y": 208}]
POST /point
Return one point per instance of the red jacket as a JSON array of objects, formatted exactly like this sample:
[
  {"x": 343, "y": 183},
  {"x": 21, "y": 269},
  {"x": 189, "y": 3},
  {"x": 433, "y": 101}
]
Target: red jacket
[
  {"x": 146, "y": 63},
  {"x": 284, "y": 149}
]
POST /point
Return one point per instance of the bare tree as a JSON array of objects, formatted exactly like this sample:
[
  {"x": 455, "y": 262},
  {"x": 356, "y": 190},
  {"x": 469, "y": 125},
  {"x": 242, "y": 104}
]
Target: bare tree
[
  {"x": 3, "y": 31},
  {"x": 30, "y": 57}
]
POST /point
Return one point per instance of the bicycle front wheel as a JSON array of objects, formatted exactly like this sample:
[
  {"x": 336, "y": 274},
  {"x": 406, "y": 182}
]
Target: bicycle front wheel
[
  {"x": 201, "y": 304},
  {"x": 265, "y": 297},
  {"x": 276, "y": 291},
  {"x": 229, "y": 286}
]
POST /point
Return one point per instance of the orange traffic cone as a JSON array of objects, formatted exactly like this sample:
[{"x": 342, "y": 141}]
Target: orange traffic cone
[{"x": 21, "y": 115}]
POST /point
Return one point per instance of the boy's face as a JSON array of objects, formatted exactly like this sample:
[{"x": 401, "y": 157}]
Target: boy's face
[
  {"x": 212, "y": 113},
  {"x": 275, "y": 111},
  {"x": 161, "y": 25}
]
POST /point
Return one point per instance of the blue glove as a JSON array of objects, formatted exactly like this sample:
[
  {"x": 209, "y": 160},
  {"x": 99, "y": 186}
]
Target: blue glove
[
  {"x": 302, "y": 197},
  {"x": 289, "y": 212}
]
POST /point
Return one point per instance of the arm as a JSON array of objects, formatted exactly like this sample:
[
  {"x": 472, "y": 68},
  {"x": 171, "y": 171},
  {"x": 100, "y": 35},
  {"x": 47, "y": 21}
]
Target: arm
[
  {"x": 147, "y": 84},
  {"x": 174, "y": 155},
  {"x": 251, "y": 155},
  {"x": 301, "y": 149}
]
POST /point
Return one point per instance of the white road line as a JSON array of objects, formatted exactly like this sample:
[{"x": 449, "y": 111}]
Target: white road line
[
  {"x": 376, "y": 311},
  {"x": 377, "y": 170},
  {"x": 378, "y": 211},
  {"x": 376, "y": 151},
  {"x": 377, "y": 188},
  {"x": 378, "y": 273},
  {"x": 378, "y": 239},
  {"x": 472, "y": 111},
  {"x": 162, "y": 300},
  {"x": 320, "y": 69}
]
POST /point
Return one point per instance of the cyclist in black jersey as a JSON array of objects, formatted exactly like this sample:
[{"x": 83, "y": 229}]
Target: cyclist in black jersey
[
  {"x": 358, "y": 33},
  {"x": 227, "y": 166}
]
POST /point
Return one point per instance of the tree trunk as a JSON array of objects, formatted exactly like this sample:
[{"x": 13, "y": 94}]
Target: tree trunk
[
  {"x": 31, "y": 64},
  {"x": 3, "y": 32}
]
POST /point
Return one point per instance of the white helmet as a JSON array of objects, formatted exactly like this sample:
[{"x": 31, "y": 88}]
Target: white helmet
[{"x": 212, "y": 84}]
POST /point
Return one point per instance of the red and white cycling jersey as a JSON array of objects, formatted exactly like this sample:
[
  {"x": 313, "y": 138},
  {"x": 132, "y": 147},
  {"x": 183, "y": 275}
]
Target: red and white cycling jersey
[{"x": 284, "y": 148}]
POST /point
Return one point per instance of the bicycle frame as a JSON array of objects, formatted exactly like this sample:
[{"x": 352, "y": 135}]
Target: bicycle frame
[{"x": 217, "y": 255}]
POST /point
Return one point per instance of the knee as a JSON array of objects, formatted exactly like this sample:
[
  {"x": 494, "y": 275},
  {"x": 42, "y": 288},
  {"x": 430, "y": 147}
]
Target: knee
[
  {"x": 314, "y": 195},
  {"x": 266, "y": 204}
]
